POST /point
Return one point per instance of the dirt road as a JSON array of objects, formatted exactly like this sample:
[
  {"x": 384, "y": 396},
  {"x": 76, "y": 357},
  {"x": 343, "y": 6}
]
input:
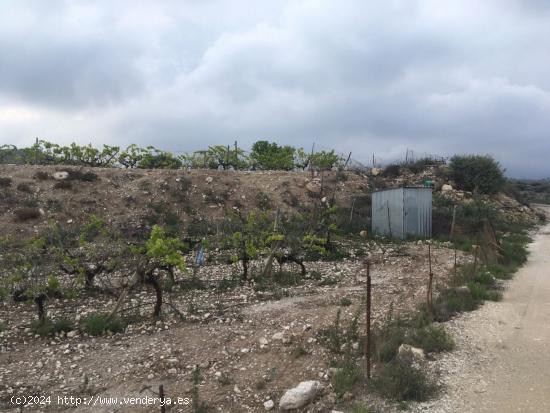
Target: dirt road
[{"x": 503, "y": 358}]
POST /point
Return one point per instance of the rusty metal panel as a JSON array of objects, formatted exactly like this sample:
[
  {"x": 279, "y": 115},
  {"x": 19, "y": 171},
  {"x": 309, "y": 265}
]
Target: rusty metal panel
[
  {"x": 417, "y": 206},
  {"x": 387, "y": 213}
]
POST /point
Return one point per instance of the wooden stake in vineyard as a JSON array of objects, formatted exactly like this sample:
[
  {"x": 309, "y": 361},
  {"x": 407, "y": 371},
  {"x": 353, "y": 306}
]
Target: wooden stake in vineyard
[{"x": 368, "y": 322}]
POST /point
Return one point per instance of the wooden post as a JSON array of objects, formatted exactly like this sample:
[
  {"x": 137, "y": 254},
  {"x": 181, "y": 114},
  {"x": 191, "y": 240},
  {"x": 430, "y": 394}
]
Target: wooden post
[
  {"x": 368, "y": 343},
  {"x": 347, "y": 160},
  {"x": 451, "y": 234},
  {"x": 430, "y": 283},
  {"x": 161, "y": 396},
  {"x": 236, "y": 155},
  {"x": 351, "y": 212}
]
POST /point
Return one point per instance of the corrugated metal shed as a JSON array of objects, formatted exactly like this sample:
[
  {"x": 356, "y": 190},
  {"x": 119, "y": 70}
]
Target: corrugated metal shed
[{"x": 402, "y": 212}]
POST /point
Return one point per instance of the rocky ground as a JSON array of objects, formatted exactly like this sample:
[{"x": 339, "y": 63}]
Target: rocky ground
[{"x": 250, "y": 347}]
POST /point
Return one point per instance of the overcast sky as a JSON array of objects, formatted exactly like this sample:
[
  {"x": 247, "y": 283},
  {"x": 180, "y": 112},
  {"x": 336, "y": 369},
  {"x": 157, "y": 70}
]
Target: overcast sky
[{"x": 442, "y": 77}]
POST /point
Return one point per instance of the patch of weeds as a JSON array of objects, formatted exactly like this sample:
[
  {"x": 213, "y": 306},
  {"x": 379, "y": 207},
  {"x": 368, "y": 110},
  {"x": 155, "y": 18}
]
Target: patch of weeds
[
  {"x": 227, "y": 284},
  {"x": 360, "y": 408},
  {"x": 453, "y": 301},
  {"x": 192, "y": 283},
  {"x": 5, "y": 182},
  {"x": 328, "y": 281},
  {"x": 3, "y": 327},
  {"x": 401, "y": 381},
  {"x": 97, "y": 324},
  {"x": 87, "y": 176},
  {"x": 287, "y": 279},
  {"x": 26, "y": 214},
  {"x": 50, "y": 328},
  {"x": 500, "y": 272},
  {"x": 41, "y": 175},
  {"x": 63, "y": 185},
  {"x": 299, "y": 351},
  {"x": 345, "y": 378},
  {"x": 332, "y": 336},
  {"x": 23, "y": 187},
  {"x": 262, "y": 201},
  {"x": 198, "y": 406},
  {"x": 345, "y": 302},
  {"x": 432, "y": 339},
  {"x": 315, "y": 275},
  {"x": 224, "y": 379},
  {"x": 480, "y": 292},
  {"x": 54, "y": 205}
]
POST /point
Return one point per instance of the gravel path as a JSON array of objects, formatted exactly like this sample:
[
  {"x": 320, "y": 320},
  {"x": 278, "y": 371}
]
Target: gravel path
[{"x": 502, "y": 361}]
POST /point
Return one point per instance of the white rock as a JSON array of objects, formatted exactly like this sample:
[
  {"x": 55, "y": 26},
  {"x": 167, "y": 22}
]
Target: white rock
[
  {"x": 300, "y": 395},
  {"x": 60, "y": 176},
  {"x": 172, "y": 371},
  {"x": 278, "y": 336},
  {"x": 72, "y": 333},
  {"x": 446, "y": 188},
  {"x": 209, "y": 179},
  {"x": 263, "y": 341},
  {"x": 268, "y": 405},
  {"x": 406, "y": 350}
]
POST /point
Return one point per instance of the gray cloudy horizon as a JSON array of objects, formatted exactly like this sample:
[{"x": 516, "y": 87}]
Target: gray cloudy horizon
[{"x": 460, "y": 76}]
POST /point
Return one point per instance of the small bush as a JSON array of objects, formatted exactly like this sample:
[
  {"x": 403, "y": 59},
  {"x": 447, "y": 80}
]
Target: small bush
[
  {"x": 63, "y": 185},
  {"x": 454, "y": 301},
  {"x": 22, "y": 187},
  {"x": 345, "y": 302},
  {"x": 401, "y": 381},
  {"x": 82, "y": 176},
  {"x": 97, "y": 324},
  {"x": 26, "y": 214},
  {"x": 5, "y": 182},
  {"x": 392, "y": 171},
  {"x": 41, "y": 175},
  {"x": 263, "y": 201},
  {"x": 500, "y": 272},
  {"x": 432, "y": 339},
  {"x": 345, "y": 378},
  {"x": 477, "y": 173},
  {"x": 49, "y": 327},
  {"x": 480, "y": 292}
]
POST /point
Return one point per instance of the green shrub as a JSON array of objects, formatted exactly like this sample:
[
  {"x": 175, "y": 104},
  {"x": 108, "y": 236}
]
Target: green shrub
[
  {"x": 345, "y": 302},
  {"x": 454, "y": 301},
  {"x": 432, "y": 339},
  {"x": 479, "y": 173},
  {"x": 345, "y": 377},
  {"x": 499, "y": 271},
  {"x": 49, "y": 327},
  {"x": 97, "y": 324},
  {"x": 480, "y": 292},
  {"x": 401, "y": 381}
]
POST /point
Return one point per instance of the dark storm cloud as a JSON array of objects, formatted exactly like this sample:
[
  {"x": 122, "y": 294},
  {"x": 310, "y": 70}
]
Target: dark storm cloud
[{"x": 438, "y": 77}]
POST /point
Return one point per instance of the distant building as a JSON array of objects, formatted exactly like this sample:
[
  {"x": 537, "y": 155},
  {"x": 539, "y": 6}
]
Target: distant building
[{"x": 402, "y": 212}]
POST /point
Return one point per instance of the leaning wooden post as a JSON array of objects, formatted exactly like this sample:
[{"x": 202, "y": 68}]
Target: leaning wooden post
[
  {"x": 161, "y": 397},
  {"x": 368, "y": 343}
]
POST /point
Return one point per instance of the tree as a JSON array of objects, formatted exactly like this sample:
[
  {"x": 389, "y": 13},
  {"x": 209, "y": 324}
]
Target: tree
[
  {"x": 324, "y": 160},
  {"x": 226, "y": 157},
  {"x": 148, "y": 262},
  {"x": 131, "y": 156},
  {"x": 266, "y": 155},
  {"x": 477, "y": 173},
  {"x": 154, "y": 158}
]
